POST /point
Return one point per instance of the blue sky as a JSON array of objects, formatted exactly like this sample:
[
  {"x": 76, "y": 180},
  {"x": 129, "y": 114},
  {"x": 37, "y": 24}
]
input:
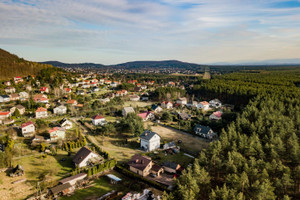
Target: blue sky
[{"x": 115, "y": 31}]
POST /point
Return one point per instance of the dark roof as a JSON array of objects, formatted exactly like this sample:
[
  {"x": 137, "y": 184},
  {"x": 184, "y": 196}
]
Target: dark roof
[
  {"x": 202, "y": 129},
  {"x": 139, "y": 162},
  {"x": 81, "y": 155},
  {"x": 60, "y": 188},
  {"x": 66, "y": 180},
  {"x": 147, "y": 135},
  {"x": 154, "y": 106},
  {"x": 184, "y": 116},
  {"x": 156, "y": 168},
  {"x": 170, "y": 165},
  {"x": 5, "y": 96}
]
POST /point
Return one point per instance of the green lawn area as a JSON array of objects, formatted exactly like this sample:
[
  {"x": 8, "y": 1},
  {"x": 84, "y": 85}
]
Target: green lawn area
[
  {"x": 137, "y": 103},
  {"x": 100, "y": 187},
  {"x": 179, "y": 158},
  {"x": 35, "y": 166}
]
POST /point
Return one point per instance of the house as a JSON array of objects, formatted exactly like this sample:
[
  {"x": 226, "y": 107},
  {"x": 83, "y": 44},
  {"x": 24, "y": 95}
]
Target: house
[
  {"x": 7, "y": 83},
  {"x": 60, "y": 110},
  {"x": 114, "y": 84},
  {"x": 57, "y": 133},
  {"x": 41, "y": 113},
  {"x": 20, "y": 108},
  {"x": 18, "y": 79},
  {"x": 28, "y": 87},
  {"x": 95, "y": 89},
  {"x": 216, "y": 103},
  {"x": 23, "y": 95},
  {"x": 61, "y": 190},
  {"x": 171, "y": 167},
  {"x": 205, "y": 131},
  {"x": 182, "y": 101},
  {"x": 145, "y": 97},
  {"x": 108, "y": 82},
  {"x": 67, "y": 90},
  {"x": 4, "y": 98},
  {"x": 184, "y": 116},
  {"x": 150, "y": 140},
  {"x": 72, "y": 102},
  {"x": 140, "y": 165},
  {"x": 203, "y": 105},
  {"x": 44, "y": 90},
  {"x": 40, "y": 98},
  {"x": 85, "y": 157},
  {"x": 4, "y": 115},
  {"x": 10, "y": 90},
  {"x": 98, "y": 120},
  {"x": 156, "y": 108},
  {"x": 143, "y": 87},
  {"x": 73, "y": 179},
  {"x": 169, "y": 145},
  {"x": 157, "y": 170},
  {"x": 14, "y": 97},
  {"x": 37, "y": 140},
  {"x": 105, "y": 100},
  {"x": 216, "y": 115},
  {"x": 127, "y": 110},
  {"x": 66, "y": 124},
  {"x": 28, "y": 129},
  {"x": 147, "y": 116},
  {"x": 134, "y": 98},
  {"x": 167, "y": 105}
]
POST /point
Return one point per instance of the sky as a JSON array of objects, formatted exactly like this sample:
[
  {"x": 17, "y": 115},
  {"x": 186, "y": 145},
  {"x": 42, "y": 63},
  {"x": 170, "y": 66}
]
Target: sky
[{"x": 116, "y": 31}]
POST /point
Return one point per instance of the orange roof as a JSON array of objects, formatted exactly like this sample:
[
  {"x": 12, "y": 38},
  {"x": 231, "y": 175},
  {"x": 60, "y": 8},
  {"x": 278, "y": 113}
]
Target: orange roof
[
  {"x": 41, "y": 109},
  {"x": 204, "y": 103},
  {"x": 4, "y": 113},
  {"x": 71, "y": 101},
  {"x": 56, "y": 129},
  {"x": 98, "y": 117},
  {"x": 26, "y": 124}
]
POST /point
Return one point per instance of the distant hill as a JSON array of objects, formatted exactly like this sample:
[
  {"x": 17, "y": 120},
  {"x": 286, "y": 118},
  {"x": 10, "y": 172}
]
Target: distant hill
[
  {"x": 11, "y": 66},
  {"x": 132, "y": 65}
]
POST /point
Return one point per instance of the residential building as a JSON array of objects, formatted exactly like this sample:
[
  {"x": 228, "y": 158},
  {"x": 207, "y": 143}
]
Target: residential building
[
  {"x": 203, "y": 105},
  {"x": 41, "y": 113},
  {"x": 171, "y": 167},
  {"x": 85, "y": 157},
  {"x": 140, "y": 165},
  {"x": 57, "y": 133},
  {"x": 216, "y": 115},
  {"x": 156, "y": 108},
  {"x": 28, "y": 129},
  {"x": 60, "y": 110},
  {"x": 127, "y": 110},
  {"x": 4, "y": 98},
  {"x": 44, "y": 90},
  {"x": 10, "y": 90},
  {"x": 184, "y": 116},
  {"x": 14, "y": 97},
  {"x": 73, "y": 179},
  {"x": 24, "y": 96},
  {"x": 215, "y": 103},
  {"x": 134, "y": 98},
  {"x": 167, "y": 105},
  {"x": 150, "y": 140},
  {"x": 147, "y": 116},
  {"x": 20, "y": 108},
  {"x": 98, "y": 120},
  {"x": 18, "y": 79},
  {"x": 205, "y": 131},
  {"x": 72, "y": 102},
  {"x": 4, "y": 115},
  {"x": 66, "y": 124},
  {"x": 40, "y": 98},
  {"x": 61, "y": 190}
]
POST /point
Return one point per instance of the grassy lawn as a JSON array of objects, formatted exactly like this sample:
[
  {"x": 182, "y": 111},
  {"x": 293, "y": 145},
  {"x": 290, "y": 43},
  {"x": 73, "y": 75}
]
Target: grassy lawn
[
  {"x": 110, "y": 119},
  {"x": 100, "y": 187},
  {"x": 35, "y": 166},
  {"x": 137, "y": 103}
]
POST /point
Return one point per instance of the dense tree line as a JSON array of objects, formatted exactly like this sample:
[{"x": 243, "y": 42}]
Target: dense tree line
[
  {"x": 167, "y": 93},
  {"x": 257, "y": 157}
]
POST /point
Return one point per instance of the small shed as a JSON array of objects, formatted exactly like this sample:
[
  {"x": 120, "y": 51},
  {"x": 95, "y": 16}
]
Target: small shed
[
  {"x": 113, "y": 179},
  {"x": 17, "y": 171}
]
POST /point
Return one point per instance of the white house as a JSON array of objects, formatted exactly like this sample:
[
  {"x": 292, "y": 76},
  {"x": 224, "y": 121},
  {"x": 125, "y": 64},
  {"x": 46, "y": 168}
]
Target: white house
[
  {"x": 57, "y": 133},
  {"x": 182, "y": 101},
  {"x": 23, "y": 95},
  {"x": 134, "y": 98},
  {"x": 10, "y": 90},
  {"x": 216, "y": 103},
  {"x": 156, "y": 108},
  {"x": 127, "y": 110},
  {"x": 60, "y": 110},
  {"x": 41, "y": 113},
  {"x": 147, "y": 116},
  {"x": 203, "y": 105},
  {"x": 28, "y": 129},
  {"x": 65, "y": 123},
  {"x": 4, "y": 98},
  {"x": 150, "y": 140},
  {"x": 4, "y": 115},
  {"x": 98, "y": 120},
  {"x": 85, "y": 156},
  {"x": 167, "y": 105}
]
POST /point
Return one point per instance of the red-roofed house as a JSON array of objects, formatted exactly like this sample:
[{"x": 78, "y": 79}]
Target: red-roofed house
[
  {"x": 44, "y": 90},
  {"x": 146, "y": 116},
  {"x": 216, "y": 115},
  {"x": 203, "y": 105},
  {"x": 4, "y": 114},
  {"x": 18, "y": 79},
  {"x": 72, "y": 102},
  {"x": 28, "y": 129},
  {"x": 57, "y": 133},
  {"x": 41, "y": 98},
  {"x": 41, "y": 113},
  {"x": 167, "y": 105},
  {"x": 98, "y": 120},
  {"x": 67, "y": 90}
]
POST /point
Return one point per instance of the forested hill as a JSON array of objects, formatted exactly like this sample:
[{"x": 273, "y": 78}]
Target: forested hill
[
  {"x": 133, "y": 65},
  {"x": 11, "y": 66}
]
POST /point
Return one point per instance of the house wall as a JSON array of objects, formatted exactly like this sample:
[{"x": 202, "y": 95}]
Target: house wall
[
  {"x": 98, "y": 121},
  {"x": 84, "y": 163},
  {"x": 41, "y": 114},
  {"x": 54, "y": 136},
  {"x": 28, "y": 129}
]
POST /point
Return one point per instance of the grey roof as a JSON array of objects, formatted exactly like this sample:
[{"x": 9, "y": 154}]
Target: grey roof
[
  {"x": 170, "y": 165},
  {"x": 128, "y": 109},
  {"x": 60, "y": 188},
  {"x": 113, "y": 177},
  {"x": 147, "y": 135},
  {"x": 66, "y": 180},
  {"x": 203, "y": 129}
]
